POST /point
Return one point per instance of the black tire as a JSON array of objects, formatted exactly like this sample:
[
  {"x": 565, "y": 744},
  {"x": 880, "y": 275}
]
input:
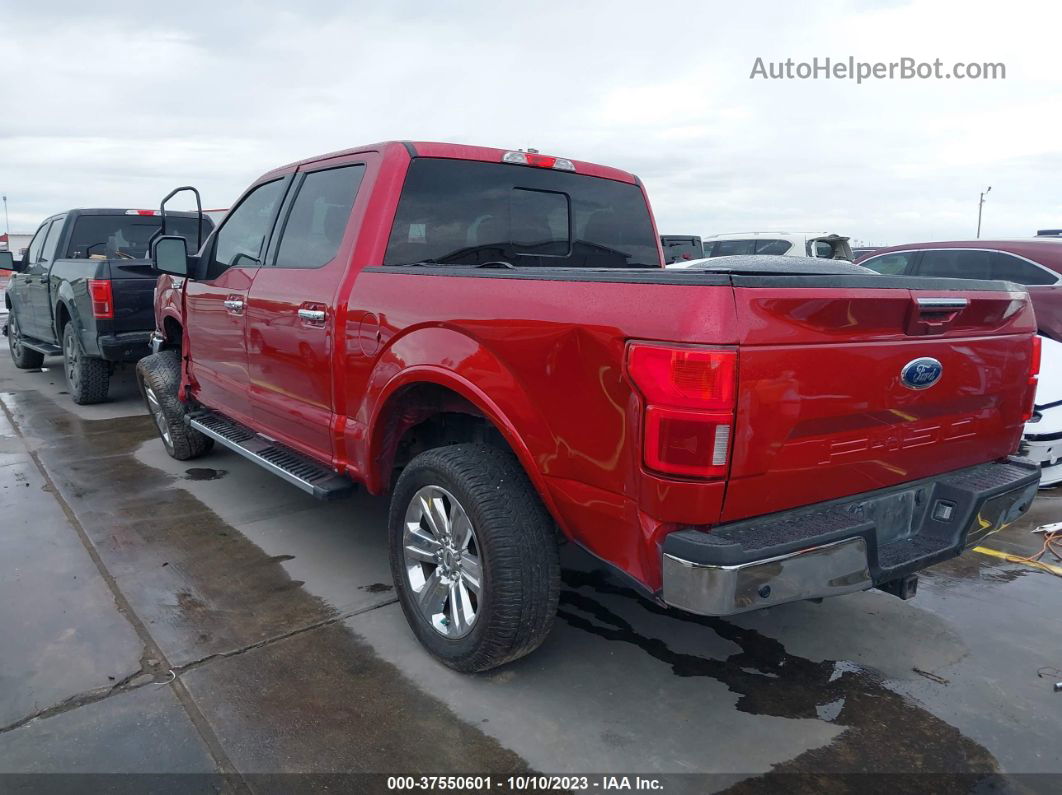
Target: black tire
[
  {"x": 23, "y": 357},
  {"x": 88, "y": 379},
  {"x": 159, "y": 377},
  {"x": 516, "y": 547}
]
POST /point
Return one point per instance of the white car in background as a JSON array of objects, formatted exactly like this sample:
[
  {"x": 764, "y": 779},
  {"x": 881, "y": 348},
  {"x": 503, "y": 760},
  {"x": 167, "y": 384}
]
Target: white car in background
[
  {"x": 1043, "y": 433},
  {"x": 792, "y": 244}
]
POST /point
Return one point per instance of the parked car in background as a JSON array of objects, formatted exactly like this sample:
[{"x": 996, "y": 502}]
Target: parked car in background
[
  {"x": 84, "y": 290},
  {"x": 681, "y": 248},
  {"x": 489, "y": 336},
  {"x": 1043, "y": 431},
  {"x": 858, "y": 252},
  {"x": 1035, "y": 263},
  {"x": 792, "y": 244}
]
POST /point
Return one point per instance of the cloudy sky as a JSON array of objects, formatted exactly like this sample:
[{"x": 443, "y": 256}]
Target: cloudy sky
[{"x": 114, "y": 103}]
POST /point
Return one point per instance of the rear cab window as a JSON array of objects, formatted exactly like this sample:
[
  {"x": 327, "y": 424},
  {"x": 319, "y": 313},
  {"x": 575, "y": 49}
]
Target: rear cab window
[
  {"x": 681, "y": 249},
  {"x": 466, "y": 212},
  {"x": 127, "y": 236}
]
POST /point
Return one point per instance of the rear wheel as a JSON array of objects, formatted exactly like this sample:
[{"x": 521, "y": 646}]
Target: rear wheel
[
  {"x": 87, "y": 377},
  {"x": 159, "y": 377},
  {"x": 23, "y": 357},
  {"x": 473, "y": 556}
]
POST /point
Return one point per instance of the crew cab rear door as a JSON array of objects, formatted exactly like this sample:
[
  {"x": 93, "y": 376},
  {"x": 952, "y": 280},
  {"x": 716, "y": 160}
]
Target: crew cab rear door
[
  {"x": 215, "y": 305},
  {"x": 291, "y": 317},
  {"x": 825, "y": 409}
]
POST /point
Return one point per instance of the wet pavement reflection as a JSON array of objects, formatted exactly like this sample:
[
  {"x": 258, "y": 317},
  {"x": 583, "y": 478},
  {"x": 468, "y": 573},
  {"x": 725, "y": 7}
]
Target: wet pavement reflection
[{"x": 277, "y": 615}]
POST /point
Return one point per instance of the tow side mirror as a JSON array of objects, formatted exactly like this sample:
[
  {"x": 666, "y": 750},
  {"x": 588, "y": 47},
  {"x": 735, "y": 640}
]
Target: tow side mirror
[
  {"x": 7, "y": 261},
  {"x": 169, "y": 254}
]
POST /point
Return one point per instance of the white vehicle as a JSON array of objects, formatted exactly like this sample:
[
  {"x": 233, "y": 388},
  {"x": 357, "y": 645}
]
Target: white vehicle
[
  {"x": 793, "y": 244},
  {"x": 1043, "y": 433}
]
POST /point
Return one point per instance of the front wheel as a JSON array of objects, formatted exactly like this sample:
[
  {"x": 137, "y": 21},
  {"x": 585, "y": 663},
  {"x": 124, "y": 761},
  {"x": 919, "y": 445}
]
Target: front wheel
[
  {"x": 87, "y": 378},
  {"x": 159, "y": 377},
  {"x": 473, "y": 556},
  {"x": 23, "y": 357}
]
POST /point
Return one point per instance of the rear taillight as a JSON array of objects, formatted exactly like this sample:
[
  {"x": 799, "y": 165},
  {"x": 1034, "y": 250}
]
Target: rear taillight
[
  {"x": 1034, "y": 373},
  {"x": 690, "y": 394},
  {"x": 101, "y": 297}
]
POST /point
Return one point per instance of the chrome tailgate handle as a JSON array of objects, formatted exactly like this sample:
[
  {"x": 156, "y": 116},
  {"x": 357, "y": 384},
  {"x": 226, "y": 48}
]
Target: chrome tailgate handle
[{"x": 942, "y": 304}]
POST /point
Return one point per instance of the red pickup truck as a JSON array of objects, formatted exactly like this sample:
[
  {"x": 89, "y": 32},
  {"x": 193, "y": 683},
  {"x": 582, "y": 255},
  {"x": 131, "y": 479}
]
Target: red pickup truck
[{"x": 490, "y": 337}]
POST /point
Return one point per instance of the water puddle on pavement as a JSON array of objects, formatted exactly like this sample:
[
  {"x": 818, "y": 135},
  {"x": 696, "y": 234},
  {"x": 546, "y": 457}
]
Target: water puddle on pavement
[
  {"x": 204, "y": 473},
  {"x": 885, "y": 732}
]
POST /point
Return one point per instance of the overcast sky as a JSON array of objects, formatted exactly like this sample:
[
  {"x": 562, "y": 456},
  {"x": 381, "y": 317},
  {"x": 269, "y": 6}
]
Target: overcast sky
[{"x": 108, "y": 104}]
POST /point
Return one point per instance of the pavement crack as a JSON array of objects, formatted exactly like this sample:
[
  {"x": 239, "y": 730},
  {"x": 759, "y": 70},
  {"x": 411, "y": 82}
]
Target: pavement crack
[
  {"x": 133, "y": 681},
  {"x": 221, "y": 655}
]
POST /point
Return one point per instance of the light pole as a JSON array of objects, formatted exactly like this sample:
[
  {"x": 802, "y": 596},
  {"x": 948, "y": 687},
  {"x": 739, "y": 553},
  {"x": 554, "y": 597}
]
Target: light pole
[
  {"x": 7, "y": 224},
  {"x": 981, "y": 204}
]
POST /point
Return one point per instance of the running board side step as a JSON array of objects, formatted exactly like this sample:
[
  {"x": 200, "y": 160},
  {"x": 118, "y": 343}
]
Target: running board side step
[
  {"x": 296, "y": 468},
  {"x": 42, "y": 347}
]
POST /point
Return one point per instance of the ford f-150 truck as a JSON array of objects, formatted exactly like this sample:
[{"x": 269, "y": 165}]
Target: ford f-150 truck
[
  {"x": 84, "y": 290},
  {"x": 490, "y": 337}
]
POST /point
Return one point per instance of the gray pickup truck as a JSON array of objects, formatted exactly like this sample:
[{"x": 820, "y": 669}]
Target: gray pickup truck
[{"x": 84, "y": 289}]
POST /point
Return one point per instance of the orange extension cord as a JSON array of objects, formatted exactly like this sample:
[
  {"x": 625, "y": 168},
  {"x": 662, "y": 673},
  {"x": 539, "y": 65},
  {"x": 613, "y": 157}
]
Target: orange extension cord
[{"x": 1052, "y": 544}]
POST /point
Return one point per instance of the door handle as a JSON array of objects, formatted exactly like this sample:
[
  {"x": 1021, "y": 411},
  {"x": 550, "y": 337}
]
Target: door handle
[
  {"x": 312, "y": 315},
  {"x": 234, "y": 304}
]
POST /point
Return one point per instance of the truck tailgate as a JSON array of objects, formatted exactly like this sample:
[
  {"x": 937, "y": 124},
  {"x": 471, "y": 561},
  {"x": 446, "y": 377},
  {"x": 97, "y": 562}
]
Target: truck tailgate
[
  {"x": 823, "y": 411},
  {"x": 133, "y": 288}
]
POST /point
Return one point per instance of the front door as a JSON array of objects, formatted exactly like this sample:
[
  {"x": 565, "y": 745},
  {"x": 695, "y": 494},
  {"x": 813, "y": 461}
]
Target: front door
[
  {"x": 291, "y": 309},
  {"x": 215, "y": 306},
  {"x": 26, "y": 283}
]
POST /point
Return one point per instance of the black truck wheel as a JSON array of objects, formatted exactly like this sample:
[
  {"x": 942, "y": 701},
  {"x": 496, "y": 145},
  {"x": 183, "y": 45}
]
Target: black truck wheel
[
  {"x": 23, "y": 357},
  {"x": 159, "y": 377},
  {"x": 87, "y": 377},
  {"x": 474, "y": 556}
]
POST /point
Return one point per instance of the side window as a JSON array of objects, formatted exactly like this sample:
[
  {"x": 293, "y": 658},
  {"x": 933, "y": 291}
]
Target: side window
[
  {"x": 240, "y": 239},
  {"x": 956, "y": 264},
  {"x": 318, "y": 217},
  {"x": 727, "y": 248},
  {"x": 773, "y": 246},
  {"x": 896, "y": 264},
  {"x": 1009, "y": 268},
  {"x": 51, "y": 242},
  {"x": 35, "y": 246}
]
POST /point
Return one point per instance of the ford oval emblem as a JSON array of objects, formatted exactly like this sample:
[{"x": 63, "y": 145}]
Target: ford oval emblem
[{"x": 921, "y": 373}]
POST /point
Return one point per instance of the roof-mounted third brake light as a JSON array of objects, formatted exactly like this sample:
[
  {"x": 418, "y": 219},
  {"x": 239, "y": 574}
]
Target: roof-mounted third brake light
[{"x": 538, "y": 161}]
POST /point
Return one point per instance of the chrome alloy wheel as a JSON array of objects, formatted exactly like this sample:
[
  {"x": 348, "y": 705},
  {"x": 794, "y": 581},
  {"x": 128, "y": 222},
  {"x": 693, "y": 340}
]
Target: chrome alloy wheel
[
  {"x": 443, "y": 561},
  {"x": 156, "y": 414}
]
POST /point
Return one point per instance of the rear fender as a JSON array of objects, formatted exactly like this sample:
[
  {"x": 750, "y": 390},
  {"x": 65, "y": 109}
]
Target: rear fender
[
  {"x": 65, "y": 302},
  {"x": 453, "y": 360}
]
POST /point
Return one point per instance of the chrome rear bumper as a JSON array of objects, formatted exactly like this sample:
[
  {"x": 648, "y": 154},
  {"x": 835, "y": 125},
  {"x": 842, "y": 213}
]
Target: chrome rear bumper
[
  {"x": 830, "y": 570},
  {"x": 843, "y": 546}
]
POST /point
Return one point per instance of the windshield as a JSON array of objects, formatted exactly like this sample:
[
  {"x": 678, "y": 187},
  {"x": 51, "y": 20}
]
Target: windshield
[
  {"x": 127, "y": 236},
  {"x": 473, "y": 213}
]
